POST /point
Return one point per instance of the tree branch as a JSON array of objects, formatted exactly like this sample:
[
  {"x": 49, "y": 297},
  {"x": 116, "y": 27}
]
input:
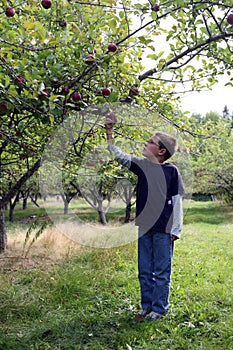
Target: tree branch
[{"x": 198, "y": 47}]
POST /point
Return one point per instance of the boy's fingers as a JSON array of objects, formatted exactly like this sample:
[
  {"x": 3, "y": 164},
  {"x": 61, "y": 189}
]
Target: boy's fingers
[
  {"x": 109, "y": 126},
  {"x": 111, "y": 118}
]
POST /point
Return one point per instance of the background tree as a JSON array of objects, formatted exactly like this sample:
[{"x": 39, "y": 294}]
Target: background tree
[{"x": 212, "y": 161}]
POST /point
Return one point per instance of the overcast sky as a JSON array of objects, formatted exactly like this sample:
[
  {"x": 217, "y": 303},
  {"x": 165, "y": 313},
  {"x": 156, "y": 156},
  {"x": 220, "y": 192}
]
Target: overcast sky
[{"x": 207, "y": 101}]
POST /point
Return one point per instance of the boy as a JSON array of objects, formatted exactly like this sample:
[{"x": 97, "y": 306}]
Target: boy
[{"x": 158, "y": 217}]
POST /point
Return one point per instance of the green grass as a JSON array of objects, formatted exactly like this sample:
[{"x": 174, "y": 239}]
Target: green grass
[{"x": 87, "y": 300}]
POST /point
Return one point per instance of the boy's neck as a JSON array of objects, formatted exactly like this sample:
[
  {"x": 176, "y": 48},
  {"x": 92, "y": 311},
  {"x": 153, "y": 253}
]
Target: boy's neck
[{"x": 156, "y": 160}]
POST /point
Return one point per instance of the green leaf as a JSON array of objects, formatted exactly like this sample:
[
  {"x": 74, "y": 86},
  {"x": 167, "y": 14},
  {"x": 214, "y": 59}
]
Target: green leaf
[{"x": 154, "y": 15}]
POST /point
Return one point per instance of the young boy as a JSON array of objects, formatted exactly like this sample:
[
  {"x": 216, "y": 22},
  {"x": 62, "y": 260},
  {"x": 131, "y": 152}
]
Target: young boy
[{"x": 158, "y": 216}]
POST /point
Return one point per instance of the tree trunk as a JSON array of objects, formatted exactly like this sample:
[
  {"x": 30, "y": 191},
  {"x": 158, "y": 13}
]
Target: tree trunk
[
  {"x": 3, "y": 236},
  {"x": 127, "y": 212},
  {"x": 25, "y": 199},
  {"x": 11, "y": 212},
  {"x": 66, "y": 207},
  {"x": 12, "y": 207},
  {"x": 102, "y": 217}
]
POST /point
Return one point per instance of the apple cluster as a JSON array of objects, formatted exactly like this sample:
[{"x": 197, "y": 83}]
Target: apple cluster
[{"x": 46, "y": 4}]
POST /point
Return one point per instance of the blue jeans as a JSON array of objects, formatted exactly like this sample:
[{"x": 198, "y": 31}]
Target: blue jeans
[{"x": 155, "y": 251}]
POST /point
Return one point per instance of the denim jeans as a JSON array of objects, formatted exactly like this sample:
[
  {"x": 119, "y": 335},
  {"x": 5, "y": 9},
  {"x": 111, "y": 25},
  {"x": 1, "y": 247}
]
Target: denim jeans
[{"x": 155, "y": 251}]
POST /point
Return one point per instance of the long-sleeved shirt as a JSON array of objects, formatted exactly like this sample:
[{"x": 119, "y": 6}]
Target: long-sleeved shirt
[{"x": 158, "y": 193}]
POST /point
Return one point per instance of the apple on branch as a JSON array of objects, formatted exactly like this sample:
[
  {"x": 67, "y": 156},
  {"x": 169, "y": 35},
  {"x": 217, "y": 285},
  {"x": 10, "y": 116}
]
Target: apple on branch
[
  {"x": 230, "y": 18},
  {"x": 112, "y": 47},
  {"x": 106, "y": 92},
  {"x": 46, "y": 4},
  {"x": 10, "y": 12},
  {"x": 65, "y": 90},
  {"x": 76, "y": 96},
  {"x": 155, "y": 7}
]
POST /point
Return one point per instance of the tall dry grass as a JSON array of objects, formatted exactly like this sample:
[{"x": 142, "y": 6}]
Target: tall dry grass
[{"x": 52, "y": 244}]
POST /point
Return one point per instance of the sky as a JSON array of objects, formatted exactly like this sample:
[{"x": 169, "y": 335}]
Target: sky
[{"x": 206, "y": 101}]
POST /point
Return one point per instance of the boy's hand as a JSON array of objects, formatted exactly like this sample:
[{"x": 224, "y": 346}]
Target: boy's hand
[{"x": 110, "y": 120}]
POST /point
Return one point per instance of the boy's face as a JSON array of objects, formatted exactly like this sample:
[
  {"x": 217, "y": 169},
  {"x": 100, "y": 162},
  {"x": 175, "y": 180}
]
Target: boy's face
[{"x": 152, "y": 148}]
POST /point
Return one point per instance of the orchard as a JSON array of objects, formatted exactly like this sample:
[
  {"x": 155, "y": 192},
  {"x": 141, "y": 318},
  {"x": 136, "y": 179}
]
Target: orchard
[{"x": 57, "y": 58}]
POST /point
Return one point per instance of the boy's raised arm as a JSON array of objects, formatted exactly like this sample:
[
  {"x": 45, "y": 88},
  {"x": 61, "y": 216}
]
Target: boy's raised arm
[
  {"x": 109, "y": 123},
  {"x": 121, "y": 157}
]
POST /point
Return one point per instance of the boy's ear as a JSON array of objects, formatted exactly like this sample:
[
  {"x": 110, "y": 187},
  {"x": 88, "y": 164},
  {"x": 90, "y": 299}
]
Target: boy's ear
[{"x": 162, "y": 151}]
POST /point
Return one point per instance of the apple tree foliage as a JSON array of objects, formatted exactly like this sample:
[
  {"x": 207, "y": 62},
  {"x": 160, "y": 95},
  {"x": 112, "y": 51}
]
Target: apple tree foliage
[{"x": 56, "y": 61}]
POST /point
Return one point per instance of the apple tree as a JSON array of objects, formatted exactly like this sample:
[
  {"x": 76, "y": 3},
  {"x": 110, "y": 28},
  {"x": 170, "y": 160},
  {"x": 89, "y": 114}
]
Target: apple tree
[
  {"x": 59, "y": 57},
  {"x": 55, "y": 59}
]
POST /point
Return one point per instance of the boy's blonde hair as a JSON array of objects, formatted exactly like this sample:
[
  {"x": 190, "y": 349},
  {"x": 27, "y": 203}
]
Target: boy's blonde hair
[{"x": 168, "y": 142}]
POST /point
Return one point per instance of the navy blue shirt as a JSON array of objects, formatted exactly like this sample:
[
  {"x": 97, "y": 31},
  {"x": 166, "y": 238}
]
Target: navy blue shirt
[{"x": 157, "y": 184}]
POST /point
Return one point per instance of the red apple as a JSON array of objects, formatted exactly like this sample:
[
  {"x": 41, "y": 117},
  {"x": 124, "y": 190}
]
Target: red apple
[
  {"x": 10, "y": 12},
  {"x": 46, "y": 4},
  {"x": 106, "y": 92},
  {"x": 63, "y": 23},
  {"x": 134, "y": 90},
  {"x": 65, "y": 90},
  {"x": 230, "y": 18},
  {"x": 155, "y": 7},
  {"x": 19, "y": 80},
  {"x": 76, "y": 96},
  {"x": 90, "y": 59},
  {"x": 3, "y": 107},
  {"x": 18, "y": 133},
  {"x": 112, "y": 47}
]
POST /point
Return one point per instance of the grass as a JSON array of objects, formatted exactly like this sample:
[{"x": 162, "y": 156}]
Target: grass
[{"x": 65, "y": 296}]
